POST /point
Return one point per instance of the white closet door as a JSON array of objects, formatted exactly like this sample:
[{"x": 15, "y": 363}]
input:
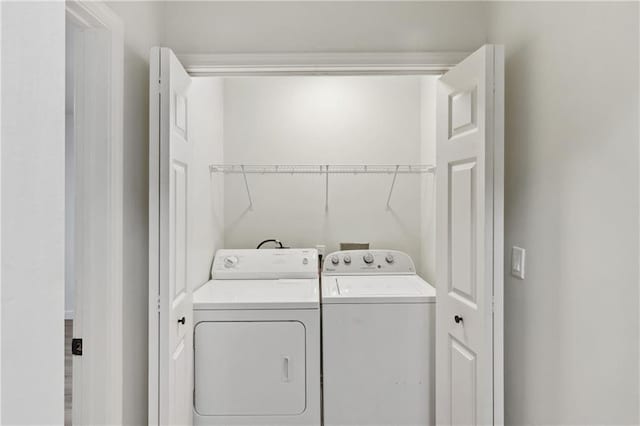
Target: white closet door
[
  {"x": 470, "y": 119},
  {"x": 170, "y": 300}
]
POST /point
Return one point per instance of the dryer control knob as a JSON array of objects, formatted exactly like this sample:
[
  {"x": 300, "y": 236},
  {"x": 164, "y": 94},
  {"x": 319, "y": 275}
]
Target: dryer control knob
[
  {"x": 230, "y": 262},
  {"x": 368, "y": 258},
  {"x": 335, "y": 260},
  {"x": 389, "y": 258},
  {"x": 347, "y": 259}
]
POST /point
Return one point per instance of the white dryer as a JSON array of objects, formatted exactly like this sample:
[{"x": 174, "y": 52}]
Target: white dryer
[
  {"x": 257, "y": 340},
  {"x": 378, "y": 331}
]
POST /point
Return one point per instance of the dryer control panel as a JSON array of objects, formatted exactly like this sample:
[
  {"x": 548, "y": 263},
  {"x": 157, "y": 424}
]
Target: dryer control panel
[
  {"x": 254, "y": 264},
  {"x": 368, "y": 262}
]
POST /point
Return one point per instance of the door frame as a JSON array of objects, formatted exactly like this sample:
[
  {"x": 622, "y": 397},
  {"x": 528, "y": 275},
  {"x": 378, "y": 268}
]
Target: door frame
[
  {"x": 381, "y": 63},
  {"x": 356, "y": 63},
  {"x": 97, "y": 15}
]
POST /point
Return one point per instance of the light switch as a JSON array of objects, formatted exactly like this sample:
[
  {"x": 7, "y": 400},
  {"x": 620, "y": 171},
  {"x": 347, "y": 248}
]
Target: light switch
[{"x": 517, "y": 262}]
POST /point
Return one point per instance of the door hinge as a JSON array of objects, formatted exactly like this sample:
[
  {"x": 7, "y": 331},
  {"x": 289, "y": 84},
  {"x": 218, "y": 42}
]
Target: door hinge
[
  {"x": 76, "y": 346},
  {"x": 158, "y": 301}
]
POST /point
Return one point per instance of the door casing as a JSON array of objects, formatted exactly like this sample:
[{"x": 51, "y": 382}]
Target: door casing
[
  {"x": 381, "y": 63},
  {"x": 98, "y": 375}
]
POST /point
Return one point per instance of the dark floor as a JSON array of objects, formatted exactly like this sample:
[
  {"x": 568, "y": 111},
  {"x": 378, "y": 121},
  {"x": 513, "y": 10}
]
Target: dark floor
[{"x": 68, "y": 368}]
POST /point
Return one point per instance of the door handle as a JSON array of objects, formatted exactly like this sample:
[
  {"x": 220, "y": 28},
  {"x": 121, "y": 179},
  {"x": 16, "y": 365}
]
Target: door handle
[
  {"x": 458, "y": 319},
  {"x": 182, "y": 320},
  {"x": 285, "y": 369}
]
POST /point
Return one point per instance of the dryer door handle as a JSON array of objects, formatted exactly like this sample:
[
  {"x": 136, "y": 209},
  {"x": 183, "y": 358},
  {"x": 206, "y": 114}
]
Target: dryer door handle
[{"x": 286, "y": 372}]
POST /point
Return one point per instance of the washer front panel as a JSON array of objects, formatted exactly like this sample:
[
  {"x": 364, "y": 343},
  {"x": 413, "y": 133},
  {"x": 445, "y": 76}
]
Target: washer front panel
[{"x": 379, "y": 364}]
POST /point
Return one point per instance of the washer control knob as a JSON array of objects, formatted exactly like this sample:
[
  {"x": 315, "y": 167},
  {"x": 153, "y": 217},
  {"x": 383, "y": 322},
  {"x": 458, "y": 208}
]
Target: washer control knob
[
  {"x": 230, "y": 261},
  {"x": 335, "y": 260},
  {"x": 389, "y": 258},
  {"x": 368, "y": 258},
  {"x": 346, "y": 259}
]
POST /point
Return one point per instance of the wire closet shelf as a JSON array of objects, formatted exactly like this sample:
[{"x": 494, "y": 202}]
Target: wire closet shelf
[{"x": 322, "y": 169}]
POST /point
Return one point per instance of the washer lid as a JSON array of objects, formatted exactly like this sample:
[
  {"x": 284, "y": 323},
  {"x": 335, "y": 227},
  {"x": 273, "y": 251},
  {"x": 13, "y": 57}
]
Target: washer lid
[
  {"x": 377, "y": 289},
  {"x": 257, "y": 294}
]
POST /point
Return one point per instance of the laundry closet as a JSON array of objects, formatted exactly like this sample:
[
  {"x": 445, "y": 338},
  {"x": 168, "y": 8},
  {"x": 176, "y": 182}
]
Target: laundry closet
[
  {"x": 405, "y": 160},
  {"x": 310, "y": 148}
]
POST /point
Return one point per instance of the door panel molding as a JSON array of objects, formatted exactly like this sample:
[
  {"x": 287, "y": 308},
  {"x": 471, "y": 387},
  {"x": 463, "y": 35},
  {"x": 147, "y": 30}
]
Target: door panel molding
[
  {"x": 170, "y": 223},
  {"x": 469, "y": 377}
]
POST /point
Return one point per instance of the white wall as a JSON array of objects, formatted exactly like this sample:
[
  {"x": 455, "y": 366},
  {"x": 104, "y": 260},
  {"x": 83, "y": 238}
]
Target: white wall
[
  {"x": 571, "y": 199},
  {"x": 142, "y": 23},
  {"x": 323, "y": 120},
  {"x": 428, "y": 184},
  {"x": 206, "y": 127},
  {"x": 205, "y": 27},
  {"x": 33, "y": 191}
]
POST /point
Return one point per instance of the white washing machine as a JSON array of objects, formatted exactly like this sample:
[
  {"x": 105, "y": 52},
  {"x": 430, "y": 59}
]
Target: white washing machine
[
  {"x": 378, "y": 340},
  {"x": 257, "y": 340}
]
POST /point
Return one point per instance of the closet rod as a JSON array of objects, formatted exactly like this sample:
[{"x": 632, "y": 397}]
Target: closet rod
[{"x": 393, "y": 169}]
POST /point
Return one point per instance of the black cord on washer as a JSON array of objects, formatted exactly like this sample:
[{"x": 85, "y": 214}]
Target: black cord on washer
[{"x": 278, "y": 242}]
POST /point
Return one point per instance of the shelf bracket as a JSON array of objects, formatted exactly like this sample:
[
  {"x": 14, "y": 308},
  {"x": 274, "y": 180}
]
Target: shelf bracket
[
  {"x": 393, "y": 184},
  {"x": 246, "y": 185},
  {"x": 326, "y": 188}
]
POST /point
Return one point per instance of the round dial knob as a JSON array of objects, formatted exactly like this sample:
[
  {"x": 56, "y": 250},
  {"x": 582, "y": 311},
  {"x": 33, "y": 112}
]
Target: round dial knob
[
  {"x": 389, "y": 258},
  {"x": 347, "y": 259},
  {"x": 368, "y": 258},
  {"x": 335, "y": 260},
  {"x": 230, "y": 261}
]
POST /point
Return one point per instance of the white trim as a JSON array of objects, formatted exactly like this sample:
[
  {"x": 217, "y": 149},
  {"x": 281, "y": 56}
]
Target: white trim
[
  {"x": 96, "y": 15},
  {"x": 357, "y": 63},
  {"x": 0, "y": 214},
  {"x": 155, "y": 118},
  {"x": 498, "y": 235}
]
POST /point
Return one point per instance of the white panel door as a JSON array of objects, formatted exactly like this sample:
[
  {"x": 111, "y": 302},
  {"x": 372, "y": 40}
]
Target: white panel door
[
  {"x": 469, "y": 241},
  {"x": 170, "y": 310}
]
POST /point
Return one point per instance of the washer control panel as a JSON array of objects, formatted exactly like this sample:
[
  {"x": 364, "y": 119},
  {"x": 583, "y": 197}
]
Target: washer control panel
[{"x": 368, "y": 262}]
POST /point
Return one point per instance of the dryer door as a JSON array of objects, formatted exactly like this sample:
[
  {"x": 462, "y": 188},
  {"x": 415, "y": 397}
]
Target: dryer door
[{"x": 250, "y": 368}]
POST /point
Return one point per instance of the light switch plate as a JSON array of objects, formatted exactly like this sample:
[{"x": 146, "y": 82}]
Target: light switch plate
[{"x": 517, "y": 262}]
